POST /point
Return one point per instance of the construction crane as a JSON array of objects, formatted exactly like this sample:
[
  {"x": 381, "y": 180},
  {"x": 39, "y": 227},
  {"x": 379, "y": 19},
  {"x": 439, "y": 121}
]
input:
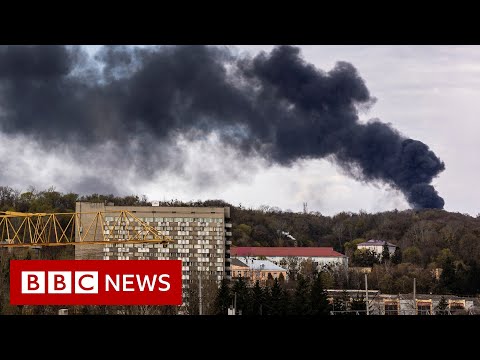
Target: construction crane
[{"x": 78, "y": 228}]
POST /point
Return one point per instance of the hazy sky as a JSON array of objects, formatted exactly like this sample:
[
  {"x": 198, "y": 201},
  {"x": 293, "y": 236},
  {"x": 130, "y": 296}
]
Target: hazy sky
[{"x": 428, "y": 93}]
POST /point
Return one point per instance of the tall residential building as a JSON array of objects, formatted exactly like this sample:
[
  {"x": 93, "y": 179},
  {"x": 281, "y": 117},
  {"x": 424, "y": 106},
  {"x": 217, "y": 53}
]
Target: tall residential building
[{"x": 201, "y": 238}]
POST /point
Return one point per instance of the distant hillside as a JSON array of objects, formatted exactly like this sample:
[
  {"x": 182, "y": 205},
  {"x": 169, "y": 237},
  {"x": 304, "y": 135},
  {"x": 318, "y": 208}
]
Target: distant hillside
[
  {"x": 439, "y": 249},
  {"x": 428, "y": 231},
  {"x": 428, "y": 239},
  {"x": 421, "y": 234}
]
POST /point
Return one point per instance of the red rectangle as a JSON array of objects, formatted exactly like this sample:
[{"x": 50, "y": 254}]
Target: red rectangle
[{"x": 96, "y": 282}]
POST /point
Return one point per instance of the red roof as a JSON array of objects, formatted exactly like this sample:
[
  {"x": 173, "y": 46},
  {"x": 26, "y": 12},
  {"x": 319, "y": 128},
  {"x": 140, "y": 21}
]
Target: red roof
[{"x": 285, "y": 251}]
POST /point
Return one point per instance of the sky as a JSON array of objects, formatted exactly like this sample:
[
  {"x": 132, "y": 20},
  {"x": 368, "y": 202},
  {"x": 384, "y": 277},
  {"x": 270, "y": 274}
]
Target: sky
[{"x": 427, "y": 93}]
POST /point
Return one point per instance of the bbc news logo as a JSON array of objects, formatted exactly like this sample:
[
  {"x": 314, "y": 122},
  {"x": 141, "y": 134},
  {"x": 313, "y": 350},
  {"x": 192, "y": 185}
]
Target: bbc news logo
[
  {"x": 59, "y": 282},
  {"x": 96, "y": 282},
  {"x": 86, "y": 282}
]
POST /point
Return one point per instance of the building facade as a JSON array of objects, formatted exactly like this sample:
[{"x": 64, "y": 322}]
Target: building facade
[
  {"x": 254, "y": 270},
  {"x": 239, "y": 269},
  {"x": 284, "y": 256},
  {"x": 201, "y": 238},
  {"x": 377, "y": 246}
]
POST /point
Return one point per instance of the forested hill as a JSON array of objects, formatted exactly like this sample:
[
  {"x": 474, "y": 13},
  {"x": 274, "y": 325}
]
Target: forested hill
[{"x": 422, "y": 235}]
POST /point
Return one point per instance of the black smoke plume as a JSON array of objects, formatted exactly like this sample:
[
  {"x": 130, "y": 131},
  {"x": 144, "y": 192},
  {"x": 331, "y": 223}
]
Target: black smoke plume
[{"x": 273, "y": 105}]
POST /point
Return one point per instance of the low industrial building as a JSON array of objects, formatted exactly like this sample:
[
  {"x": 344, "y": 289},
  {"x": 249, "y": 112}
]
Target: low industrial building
[{"x": 403, "y": 304}]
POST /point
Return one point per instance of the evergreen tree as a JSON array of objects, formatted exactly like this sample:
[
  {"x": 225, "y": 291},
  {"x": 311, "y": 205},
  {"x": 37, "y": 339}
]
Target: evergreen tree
[
  {"x": 243, "y": 294},
  {"x": 397, "y": 256},
  {"x": 365, "y": 257},
  {"x": 473, "y": 279},
  {"x": 318, "y": 297},
  {"x": 223, "y": 299},
  {"x": 385, "y": 253},
  {"x": 275, "y": 299},
  {"x": 301, "y": 303},
  {"x": 286, "y": 303},
  {"x": 461, "y": 280},
  {"x": 442, "y": 306},
  {"x": 448, "y": 276},
  {"x": 258, "y": 299}
]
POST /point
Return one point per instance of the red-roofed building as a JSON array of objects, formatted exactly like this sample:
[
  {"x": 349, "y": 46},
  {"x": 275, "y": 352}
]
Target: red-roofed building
[{"x": 320, "y": 256}]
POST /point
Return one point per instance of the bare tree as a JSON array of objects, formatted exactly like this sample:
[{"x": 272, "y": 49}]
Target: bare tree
[
  {"x": 209, "y": 286},
  {"x": 339, "y": 231},
  {"x": 307, "y": 268}
]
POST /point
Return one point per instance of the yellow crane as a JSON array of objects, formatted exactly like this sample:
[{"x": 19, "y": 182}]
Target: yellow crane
[{"x": 59, "y": 229}]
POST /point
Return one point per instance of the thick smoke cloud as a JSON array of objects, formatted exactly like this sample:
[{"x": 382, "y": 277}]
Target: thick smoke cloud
[{"x": 274, "y": 105}]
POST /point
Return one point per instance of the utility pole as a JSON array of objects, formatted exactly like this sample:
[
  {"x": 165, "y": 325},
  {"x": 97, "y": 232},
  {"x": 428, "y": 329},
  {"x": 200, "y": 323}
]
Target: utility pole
[
  {"x": 414, "y": 296},
  {"x": 366, "y": 293},
  {"x": 200, "y": 310},
  {"x": 232, "y": 310},
  {"x": 235, "y": 303}
]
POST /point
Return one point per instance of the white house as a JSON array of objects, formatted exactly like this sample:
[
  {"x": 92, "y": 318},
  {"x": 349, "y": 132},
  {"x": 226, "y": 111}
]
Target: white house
[{"x": 377, "y": 246}]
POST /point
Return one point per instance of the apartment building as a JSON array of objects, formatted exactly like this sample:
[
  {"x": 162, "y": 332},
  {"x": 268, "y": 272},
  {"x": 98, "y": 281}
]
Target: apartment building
[{"x": 201, "y": 238}]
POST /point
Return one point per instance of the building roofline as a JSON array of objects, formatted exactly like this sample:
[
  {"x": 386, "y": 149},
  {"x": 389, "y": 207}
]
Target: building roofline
[{"x": 286, "y": 251}]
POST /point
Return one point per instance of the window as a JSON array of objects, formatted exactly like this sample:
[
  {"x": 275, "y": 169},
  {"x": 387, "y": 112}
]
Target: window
[
  {"x": 391, "y": 308},
  {"x": 424, "y": 308},
  {"x": 456, "y": 305}
]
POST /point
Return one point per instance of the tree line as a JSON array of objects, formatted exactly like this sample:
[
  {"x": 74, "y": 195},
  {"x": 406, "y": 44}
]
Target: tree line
[
  {"x": 440, "y": 249},
  {"x": 304, "y": 296}
]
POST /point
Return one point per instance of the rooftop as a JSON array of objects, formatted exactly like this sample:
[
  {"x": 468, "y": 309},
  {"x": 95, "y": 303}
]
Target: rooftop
[
  {"x": 285, "y": 251},
  {"x": 237, "y": 262},
  {"x": 374, "y": 242},
  {"x": 261, "y": 264}
]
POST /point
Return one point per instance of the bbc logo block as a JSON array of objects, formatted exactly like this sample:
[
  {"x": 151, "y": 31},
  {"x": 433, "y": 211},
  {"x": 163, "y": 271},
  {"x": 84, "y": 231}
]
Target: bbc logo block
[
  {"x": 95, "y": 282},
  {"x": 59, "y": 282}
]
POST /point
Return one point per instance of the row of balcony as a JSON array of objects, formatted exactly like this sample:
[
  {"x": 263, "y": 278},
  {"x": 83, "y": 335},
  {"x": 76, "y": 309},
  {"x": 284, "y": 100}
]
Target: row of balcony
[{"x": 228, "y": 242}]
